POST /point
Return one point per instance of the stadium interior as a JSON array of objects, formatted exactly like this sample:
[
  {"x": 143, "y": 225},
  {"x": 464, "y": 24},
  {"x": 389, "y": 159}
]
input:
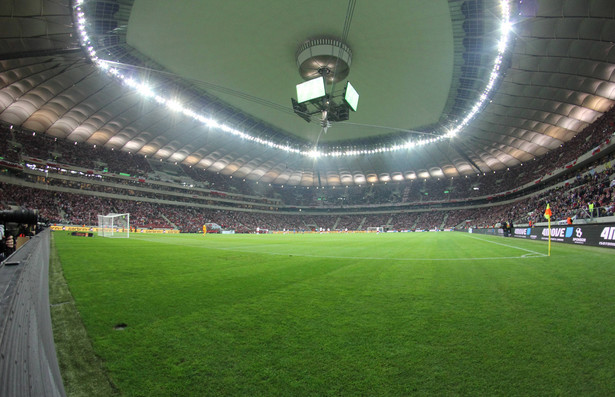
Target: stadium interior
[
  {"x": 80, "y": 135},
  {"x": 471, "y": 114}
]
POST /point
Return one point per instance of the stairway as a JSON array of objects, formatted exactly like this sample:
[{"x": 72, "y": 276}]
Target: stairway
[
  {"x": 168, "y": 221},
  {"x": 416, "y": 222},
  {"x": 405, "y": 194},
  {"x": 444, "y": 221}
]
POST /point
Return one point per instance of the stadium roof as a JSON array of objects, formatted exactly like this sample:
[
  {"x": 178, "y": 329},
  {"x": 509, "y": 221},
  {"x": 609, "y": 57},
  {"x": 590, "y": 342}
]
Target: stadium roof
[{"x": 208, "y": 83}]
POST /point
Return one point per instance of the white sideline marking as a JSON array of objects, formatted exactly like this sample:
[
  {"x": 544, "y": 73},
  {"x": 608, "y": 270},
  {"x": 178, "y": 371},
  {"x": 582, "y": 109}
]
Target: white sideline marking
[
  {"x": 525, "y": 256},
  {"x": 510, "y": 246}
]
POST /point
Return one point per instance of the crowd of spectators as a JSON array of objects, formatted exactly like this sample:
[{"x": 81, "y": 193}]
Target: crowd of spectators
[
  {"x": 17, "y": 143},
  {"x": 252, "y": 206},
  {"x": 569, "y": 200},
  {"x": 45, "y": 202}
]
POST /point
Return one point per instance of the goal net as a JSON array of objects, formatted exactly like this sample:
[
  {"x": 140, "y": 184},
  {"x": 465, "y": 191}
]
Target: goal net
[{"x": 114, "y": 225}]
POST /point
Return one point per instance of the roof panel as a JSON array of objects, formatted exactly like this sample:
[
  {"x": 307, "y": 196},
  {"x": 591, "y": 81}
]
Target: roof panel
[{"x": 561, "y": 78}]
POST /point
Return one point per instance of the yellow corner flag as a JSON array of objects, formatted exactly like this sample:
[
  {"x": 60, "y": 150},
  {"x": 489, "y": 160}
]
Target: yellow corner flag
[{"x": 548, "y": 214}]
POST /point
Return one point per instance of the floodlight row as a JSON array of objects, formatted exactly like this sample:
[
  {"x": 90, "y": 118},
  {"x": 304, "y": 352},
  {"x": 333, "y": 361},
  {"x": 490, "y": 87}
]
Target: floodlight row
[{"x": 174, "y": 105}]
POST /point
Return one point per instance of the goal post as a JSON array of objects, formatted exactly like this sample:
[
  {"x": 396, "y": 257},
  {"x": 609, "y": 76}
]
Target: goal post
[{"x": 114, "y": 225}]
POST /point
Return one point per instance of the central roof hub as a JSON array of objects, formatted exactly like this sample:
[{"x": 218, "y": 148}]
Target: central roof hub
[{"x": 329, "y": 58}]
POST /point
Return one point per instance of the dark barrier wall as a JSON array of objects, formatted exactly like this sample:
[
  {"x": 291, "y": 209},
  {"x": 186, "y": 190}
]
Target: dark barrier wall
[
  {"x": 602, "y": 235},
  {"x": 28, "y": 363}
]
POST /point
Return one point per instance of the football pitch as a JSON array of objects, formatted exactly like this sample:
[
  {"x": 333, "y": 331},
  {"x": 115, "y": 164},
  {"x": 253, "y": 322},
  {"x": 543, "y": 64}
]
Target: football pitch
[{"x": 345, "y": 314}]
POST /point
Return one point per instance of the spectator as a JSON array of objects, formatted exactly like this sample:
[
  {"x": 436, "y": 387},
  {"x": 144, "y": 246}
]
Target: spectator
[{"x": 10, "y": 245}]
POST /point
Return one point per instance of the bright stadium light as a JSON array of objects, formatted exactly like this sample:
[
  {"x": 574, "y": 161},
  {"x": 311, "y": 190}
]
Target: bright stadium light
[
  {"x": 144, "y": 89},
  {"x": 351, "y": 96},
  {"x": 311, "y": 89}
]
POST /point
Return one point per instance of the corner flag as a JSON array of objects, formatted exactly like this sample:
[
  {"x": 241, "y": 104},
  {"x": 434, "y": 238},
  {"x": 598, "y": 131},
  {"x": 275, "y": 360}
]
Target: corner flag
[{"x": 548, "y": 214}]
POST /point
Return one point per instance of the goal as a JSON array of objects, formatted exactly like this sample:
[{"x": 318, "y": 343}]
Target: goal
[
  {"x": 114, "y": 225},
  {"x": 375, "y": 229}
]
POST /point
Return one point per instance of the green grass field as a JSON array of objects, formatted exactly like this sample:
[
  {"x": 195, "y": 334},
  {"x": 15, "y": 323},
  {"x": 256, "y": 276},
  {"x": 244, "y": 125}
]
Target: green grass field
[{"x": 345, "y": 314}]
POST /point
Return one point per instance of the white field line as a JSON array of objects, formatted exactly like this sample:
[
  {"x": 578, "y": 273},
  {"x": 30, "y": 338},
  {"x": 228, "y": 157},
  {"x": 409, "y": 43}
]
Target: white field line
[
  {"x": 538, "y": 254},
  {"x": 371, "y": 258}
]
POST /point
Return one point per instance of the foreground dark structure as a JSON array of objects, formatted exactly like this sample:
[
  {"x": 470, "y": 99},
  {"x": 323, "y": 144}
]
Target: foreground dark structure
[{"x": 28, "y": 363}]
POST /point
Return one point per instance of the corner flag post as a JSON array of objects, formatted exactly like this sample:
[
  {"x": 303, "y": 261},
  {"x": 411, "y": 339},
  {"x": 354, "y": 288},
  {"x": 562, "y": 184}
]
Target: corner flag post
[{"x": 548, "y": 214}]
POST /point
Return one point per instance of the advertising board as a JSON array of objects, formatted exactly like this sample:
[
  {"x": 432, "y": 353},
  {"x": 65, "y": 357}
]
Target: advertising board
[{"x": 602, "y": 235}]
